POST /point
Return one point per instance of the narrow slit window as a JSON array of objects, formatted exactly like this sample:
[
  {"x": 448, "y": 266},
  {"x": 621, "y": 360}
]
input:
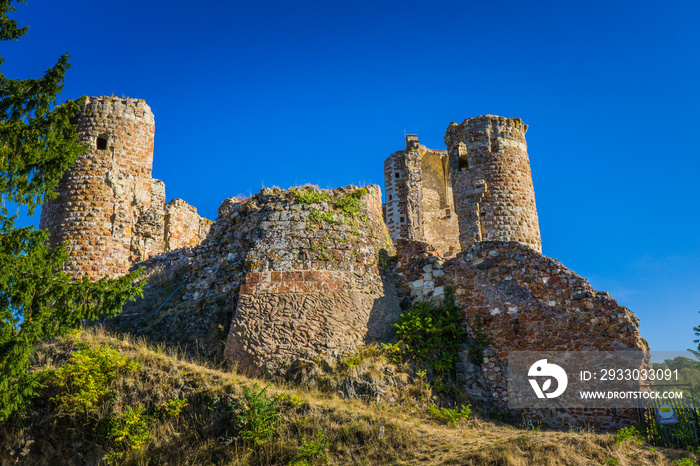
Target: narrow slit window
[
  {"x": 401, "y": 220},
  {"x": 389, "y": 196},
  {"x": 397, "y": 175},
  {"x": 101, "y": 143},
  {"x": 463, "y": 164}
]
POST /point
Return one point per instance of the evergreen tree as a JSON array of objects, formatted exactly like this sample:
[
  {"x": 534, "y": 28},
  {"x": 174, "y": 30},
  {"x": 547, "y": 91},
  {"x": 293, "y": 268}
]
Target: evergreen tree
[{"x": 38, "y": 144}]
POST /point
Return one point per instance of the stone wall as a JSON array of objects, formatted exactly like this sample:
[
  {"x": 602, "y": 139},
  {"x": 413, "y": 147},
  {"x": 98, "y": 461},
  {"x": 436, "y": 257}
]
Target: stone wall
[
  {"x": 312, "y": 282},
  {"x": 419, "y": 204},
  {"x": 420, "y": 268},
  {"x": 183, "y": 227},
  {"x": 298, "y": 278},
  {"x": 110, "y": 211},
  {"x": 530, "y": 302},
  {"x": 492, "y": 183}
]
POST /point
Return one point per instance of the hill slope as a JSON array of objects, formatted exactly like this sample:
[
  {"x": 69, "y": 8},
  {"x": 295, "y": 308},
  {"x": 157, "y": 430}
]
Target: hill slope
[{"x": 115, "y": 400}]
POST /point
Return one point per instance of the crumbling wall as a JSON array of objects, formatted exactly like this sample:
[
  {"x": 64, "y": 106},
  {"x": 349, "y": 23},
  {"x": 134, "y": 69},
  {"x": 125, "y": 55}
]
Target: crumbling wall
[
  {"x": 183, "y": 227},
  {"x": 419, "y": 204},
  {"x": 492, "y": 184},
  {"x": 109, "y": 211},
  {"x": 529, "y": 302},
  {"x": 312, "y": 282}
]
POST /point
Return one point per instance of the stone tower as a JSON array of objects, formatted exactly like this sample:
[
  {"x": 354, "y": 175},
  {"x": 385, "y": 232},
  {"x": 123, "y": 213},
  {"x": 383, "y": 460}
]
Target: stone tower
[
  {"x": 110, "y": 212},
  {"x": 492, "y": 185},
  {"x": 419, "y": 203}
]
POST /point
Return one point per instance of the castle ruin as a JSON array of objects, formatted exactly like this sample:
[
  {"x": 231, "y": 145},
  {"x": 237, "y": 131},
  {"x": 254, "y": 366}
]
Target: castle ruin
[
  {"x": 294, "y": 274},
  {"x": 110, "y": 212},
  {"x": 479, "y": 189}
]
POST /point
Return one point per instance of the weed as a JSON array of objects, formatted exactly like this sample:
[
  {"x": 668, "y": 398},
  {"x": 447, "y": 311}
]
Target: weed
[
  {"x": 322, "y": 253},
  {"x": 173, "y": 407},
  {"x": 628, "y": 433},
  {"x": 433, "y": 334},
  {"x": 292, "y": 399},
  {"x": 310, "y": 196},
  {"x": 684, "y": 462},
  {"x": 449, "y": 415},
  {"x": 256, "y": 414},
  {"x": 348, "y": 204},
  {"x": 128, "y": 432},
  {"x": 316, "y": 449}
]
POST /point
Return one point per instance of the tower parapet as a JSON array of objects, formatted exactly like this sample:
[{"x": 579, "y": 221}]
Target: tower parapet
[{"x": 491, "y": 180}]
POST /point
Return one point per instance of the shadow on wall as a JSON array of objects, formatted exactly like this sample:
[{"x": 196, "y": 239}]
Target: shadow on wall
[{"x": 385, "y": 312}]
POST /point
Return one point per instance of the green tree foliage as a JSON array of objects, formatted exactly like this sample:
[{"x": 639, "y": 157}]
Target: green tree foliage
[{"x": 38, "y": 144}]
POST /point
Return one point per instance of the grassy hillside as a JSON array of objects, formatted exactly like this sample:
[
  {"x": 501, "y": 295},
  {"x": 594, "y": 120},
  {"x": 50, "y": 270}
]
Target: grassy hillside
[{"x": 116, "y": 400}]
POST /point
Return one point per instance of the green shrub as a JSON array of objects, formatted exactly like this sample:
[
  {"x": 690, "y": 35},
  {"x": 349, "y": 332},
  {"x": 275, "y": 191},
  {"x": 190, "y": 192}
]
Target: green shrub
[
  {"x": 349, "y": 204},
  {"x": 128, "y": 432},
  {"x": 433, "y": 334},
  {"x": 312, "y": 451},
  {"x": 256, "y": 415},
  {"x": 449, "y": 415},
  {"x": 684, "y": 462},
  {"x": 478, "y": 343},
  {"x": 85, "y": 379}
]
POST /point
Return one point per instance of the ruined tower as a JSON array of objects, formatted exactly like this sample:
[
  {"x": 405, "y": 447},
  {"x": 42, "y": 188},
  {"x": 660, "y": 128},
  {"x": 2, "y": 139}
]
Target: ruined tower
[
  {"x": 493, "y": 194},
  {"x": 419, "y": 203},
  {"x": 110, "y": 212}
]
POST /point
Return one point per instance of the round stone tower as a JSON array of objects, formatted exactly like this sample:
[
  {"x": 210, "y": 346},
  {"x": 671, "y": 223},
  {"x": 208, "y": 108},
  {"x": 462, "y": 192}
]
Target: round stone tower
[
  {"x": 107, "y": 209},
  {"x": 492, "y": 184}
]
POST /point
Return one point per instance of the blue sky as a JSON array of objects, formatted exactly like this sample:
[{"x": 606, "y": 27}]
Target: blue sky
[{"x": 252, "y": 94}]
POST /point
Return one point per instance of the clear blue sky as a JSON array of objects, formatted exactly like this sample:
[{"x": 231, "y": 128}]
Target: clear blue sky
[{"x": 248, "y": 94}]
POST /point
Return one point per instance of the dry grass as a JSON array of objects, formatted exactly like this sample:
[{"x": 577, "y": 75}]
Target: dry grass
[{"x": 203, "y": 433}]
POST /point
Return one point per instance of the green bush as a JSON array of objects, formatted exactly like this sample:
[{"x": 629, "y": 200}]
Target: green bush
[
  {"x": 255, "y": 414},
  {"x": 85, "y": 379},
  {"x": 433, "y": 334},
  {"x": 449, "y": 415},
  {"x": 478, "y": 343},
  {"x": 684, "y": 462},
  {"x": 312, "y": 451}
]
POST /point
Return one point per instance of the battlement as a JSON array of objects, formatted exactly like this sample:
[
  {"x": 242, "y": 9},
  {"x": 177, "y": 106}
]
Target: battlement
[{"x": 119, "y": 107}]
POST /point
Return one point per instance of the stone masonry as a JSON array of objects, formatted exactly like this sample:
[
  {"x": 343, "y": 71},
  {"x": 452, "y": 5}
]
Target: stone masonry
[
  {"x": 481, "y": 191},
  {"x": 492, "y": 184},
  {"x": 110, "y": 212},
  {"x": 290, "y": 275},
  {"x": 529, "y": 302},
  {"x": 419, "y": 200},
  {"x": 312, "y": 283}
]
